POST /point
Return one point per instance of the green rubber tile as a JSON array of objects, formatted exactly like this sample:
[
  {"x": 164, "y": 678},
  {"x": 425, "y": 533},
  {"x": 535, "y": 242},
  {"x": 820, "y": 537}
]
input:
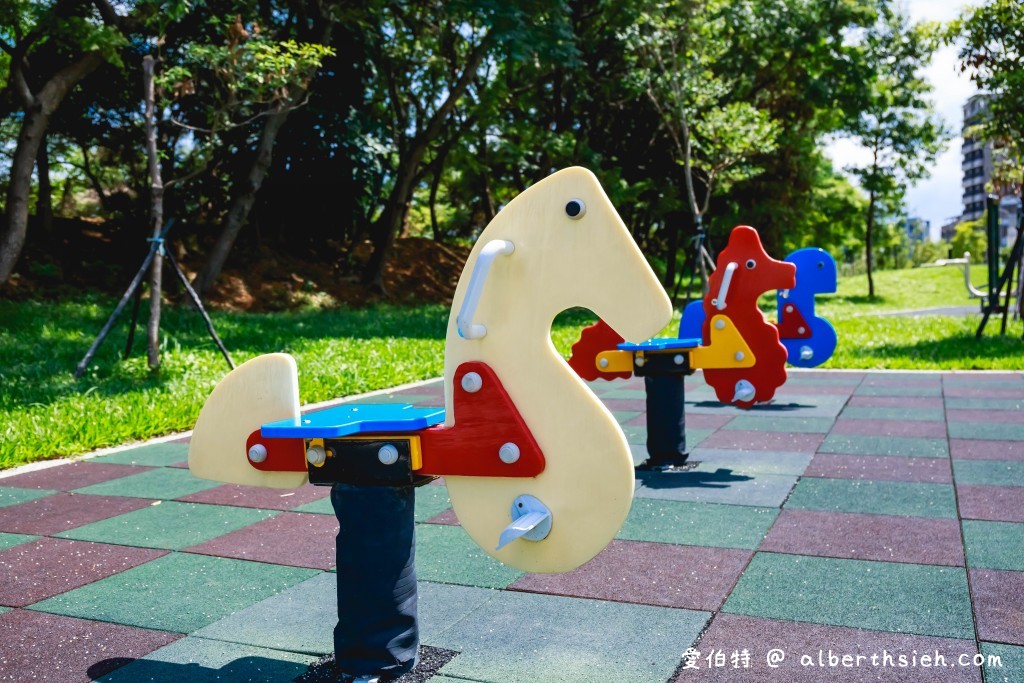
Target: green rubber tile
[
  {"x": 1003, "y": 663},
  {"x": 790, "y": 406},
  {"x": 198, "y": 660},
  {"x": 710, "y": 483},
  {"x": 764, "y": 423},
  {"x": 635, "y": 434},
  {"x": 991, "y": 472},
  {"x": 154, "y": 455},
  {"x": 858, "y": 444},
  {"x": 906, "y": 498},
  {"x": 958, "y": 403},
  {"x": 1000, "y": 431},
  {"x": 897, "y": 389},
  {"x": 883, "y": 596},
  {"x": 868, "y": 413},
  {"x": 10, "y": 495},
  {"x": 839, "y": 380},
  {"x": 445, "y": 554},
  {"x": 753, "y": 462},
  {"x": 430, "y": 501},
  {"x": 4, "y": 610},
  {"x": 321, "y": 507},
  {"x": 11, "y": 540},
  {"x": 169, "y": 525},
  {"x": 530, "y": 637},
  {"x": 685, "y": 523},
  {"x": 164, "y": 483},
  {"x": 994, "y": 545},
  {"x": 179, "y": 592},
  {"x": 624, "y": 416}
]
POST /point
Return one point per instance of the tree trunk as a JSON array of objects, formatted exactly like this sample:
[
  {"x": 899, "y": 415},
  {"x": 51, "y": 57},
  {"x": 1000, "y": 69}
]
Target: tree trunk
[
  {"x": 156, "y": 218},
  {"x": 44, "y": 201},
  {"x": 33, "y": 127},
  {"x": 434, "y": 185},
  {"x": 238, "y": 215},
  {"x": 869, "y": 245}
]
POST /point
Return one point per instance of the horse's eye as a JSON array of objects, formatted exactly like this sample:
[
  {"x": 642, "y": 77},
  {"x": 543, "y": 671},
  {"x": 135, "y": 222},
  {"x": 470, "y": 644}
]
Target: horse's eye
[
  {"x": 751, "y": 263},
  {"x": 575, "y": 208}
]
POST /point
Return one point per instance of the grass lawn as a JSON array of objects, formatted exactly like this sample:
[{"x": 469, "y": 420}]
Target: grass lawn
[{"x": 44, "y": 413}]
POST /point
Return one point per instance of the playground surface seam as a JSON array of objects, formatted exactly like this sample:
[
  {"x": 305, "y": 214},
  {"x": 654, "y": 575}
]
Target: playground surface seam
[{"x": 864, "y": 526}]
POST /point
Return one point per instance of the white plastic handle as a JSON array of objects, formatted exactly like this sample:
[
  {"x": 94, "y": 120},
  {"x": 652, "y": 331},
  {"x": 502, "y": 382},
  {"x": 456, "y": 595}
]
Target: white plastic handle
[
  {"x": 723, "y": 290},
  {"x": 464, "y": 321}
]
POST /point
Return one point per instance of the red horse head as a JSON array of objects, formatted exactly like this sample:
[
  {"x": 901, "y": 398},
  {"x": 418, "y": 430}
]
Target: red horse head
[{"x": 745, "y": 272}]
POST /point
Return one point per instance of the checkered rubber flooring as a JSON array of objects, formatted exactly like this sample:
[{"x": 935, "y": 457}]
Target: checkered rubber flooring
[{"x": 864, "y": 526}]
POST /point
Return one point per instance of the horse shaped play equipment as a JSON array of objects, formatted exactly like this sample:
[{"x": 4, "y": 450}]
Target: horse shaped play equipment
[
  {"x": 810, "y": 340},
  {"x": 538, "y": 471}
]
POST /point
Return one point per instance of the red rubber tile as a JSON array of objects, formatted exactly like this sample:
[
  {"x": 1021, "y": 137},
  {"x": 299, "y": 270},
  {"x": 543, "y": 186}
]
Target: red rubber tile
[
  {"x": 691, "y": 577},
  {"x": 984, "y": 449},
  {"x": 31, "y": 572},
  {"x": 879, "y": 467},
  {"x": 263, "y": 498},
  {"x": 693, "y": 421},
  {"x": 733, "y": 632},
  {"x": 47, "y": 647},
  {"x": 764, "y": 441},
  {"x": 998, "y": 598},
  {"x": 896, "y": 402},
  {"x": 916, "y": 428},
  {"x": 994, "y": 503},
  {"x": 447, "y": 517},
  {"x": 815, "y": 390},
  {"x": 294, "y": 539},
  {"x": 72, "y": 475},
  {"x": 1003, "y": 416},
  {"x": 894, "y": 380},
  {"x": 955, "y": 391},
  {"x": 625, "y": 404},
  {"x": 885, "y": 538},
  {"x": 980, "y": 378},
  {"x": 63, "y": 511}
]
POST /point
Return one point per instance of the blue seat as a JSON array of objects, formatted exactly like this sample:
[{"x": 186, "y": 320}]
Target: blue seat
[
  {"x": 661, "y": 344},
  {"x": 348, "y": 420}
]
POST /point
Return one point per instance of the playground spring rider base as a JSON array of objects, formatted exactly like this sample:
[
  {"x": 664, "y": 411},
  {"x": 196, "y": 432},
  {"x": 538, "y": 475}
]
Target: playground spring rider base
[
  {"x": 742, "y": 354},
  {"x": 538, "y": 471}
]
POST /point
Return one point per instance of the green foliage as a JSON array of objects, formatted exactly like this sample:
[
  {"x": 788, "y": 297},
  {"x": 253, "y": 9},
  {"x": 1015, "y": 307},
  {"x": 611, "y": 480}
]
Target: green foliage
[{"x": 970, "y": 237}]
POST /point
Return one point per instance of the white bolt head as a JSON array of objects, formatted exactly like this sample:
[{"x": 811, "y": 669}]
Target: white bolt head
[
  {"x": 789, "y": 309},
  {"x": 258, "y": 453},
  {"x": 678, "y": 359},
  {"x": 739, "y": 356},
  {"x": 603, "y": 363},
  {"x": 316, "y": 455},
  {"x": 806, "y": 353},
  {"x": 388, "y": 454},
  {"x": 472, "y": 382},
  {"x": 801, "y": 330},
  {"x": 719, "y": 324},
  {"x": 639, "y": 362},
  {"x": 509, "y": 453}
]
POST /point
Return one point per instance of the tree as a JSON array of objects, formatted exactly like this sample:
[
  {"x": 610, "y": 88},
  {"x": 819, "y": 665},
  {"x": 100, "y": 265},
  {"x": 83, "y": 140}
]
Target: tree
[{"x": 898, "y": 126}]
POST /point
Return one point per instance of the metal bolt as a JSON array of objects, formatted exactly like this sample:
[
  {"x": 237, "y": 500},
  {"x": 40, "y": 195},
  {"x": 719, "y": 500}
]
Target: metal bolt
[
  {"x": 739, "y": 356},
  {"x": 603, "y": 363},
  {"x": 719, "y": 324},
  {"x": 678, "y": 359},
  {"x": 509, "y": 453},
  {"x": 806, "y": 353},
  {"x": 316, "y": 455},
  {"x": 639, "y": 361},
  {"x": 388, "y": 454},
  {"x": 472, "y": 382},
  {"x": 258, "y": 453},
  {"x": 789, "y": 309},
  {"x": 800, "y": 330}
]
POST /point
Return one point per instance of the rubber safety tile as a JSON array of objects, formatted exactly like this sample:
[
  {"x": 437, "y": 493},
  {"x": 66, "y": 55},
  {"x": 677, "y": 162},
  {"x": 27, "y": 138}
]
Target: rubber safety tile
[
  {"x": 63, "y": 511},
  {"x": 709, "y": 483},
  {"x": 789, "y": 425},
  {"x": 10, "y": 495},
  {"x": 992, "y": 503},
  {"x": 169, "y": 525},
  {"x": 1006, "y": 393},
  {"x": 445, "y": 554},
  {"x": 688, "y": 577},
  {"x": 824, "y": 378},
  {"x": 707, "y": 524},
  {"x": 430, "y": 502},
  {"x": 529, "y": 637},
  {"x": 764, "y": 462},
  {"x": 991, "y": 472},
  {"x": 291, "y": 538},
  {"x": 11, "y": 540},
  {"x": 934, "y": 470},
  {"x": 903, "y": 379},
  {"x": 894, "y": 412},
  {"x": 929, "y": 389},
  {"x": 154, "y": 455},
  {"x": 258, "y": 497},
  {"x": 34, "y": 571},
  {"x": 971, "y": 449},
  {"x": 998, "y": 431},
  {"x": 984, "y": 416},
  {"x": 202, "y": 590},
  {"x": 1003, "y": 663},
  {"x": 922, "y": 403},
  {"x": 874, "y": 497},
  {"x": 48, "y": 647},
  {"x": 999, "y": 605},
  {"x": 884, "y": 596},
  {"x": 163, "y": 483},
  {"x": 862, "y": 444},
  {"x": 204, "y": 661},
  {"x": 764, "y": 441},
  {"x": 71, "y": 475},
  {"x": 884, "y": 538},
  {"x": 994, "y": 545},
  {"x": 814, "y": 653},
  {"x": 628, "y": 405},
  {"x": 889, "y": 428},
  {"x": 984, "y": 403},
  {"x": 697, "y": 421}
]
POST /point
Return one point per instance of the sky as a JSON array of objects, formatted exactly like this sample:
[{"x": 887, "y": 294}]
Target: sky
[{"x": 936, "y": 199}]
